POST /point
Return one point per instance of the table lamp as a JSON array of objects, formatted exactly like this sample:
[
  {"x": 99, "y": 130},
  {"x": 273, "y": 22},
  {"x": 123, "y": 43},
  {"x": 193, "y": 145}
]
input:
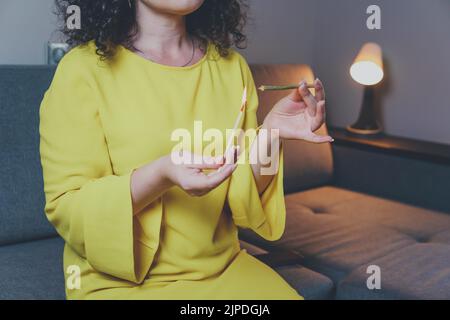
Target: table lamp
[{"x": 367, "y": 69}]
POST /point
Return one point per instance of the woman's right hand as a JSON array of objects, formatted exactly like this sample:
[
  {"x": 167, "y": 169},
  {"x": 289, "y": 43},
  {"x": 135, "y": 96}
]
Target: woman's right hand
[{"x": 191, "y": 176}]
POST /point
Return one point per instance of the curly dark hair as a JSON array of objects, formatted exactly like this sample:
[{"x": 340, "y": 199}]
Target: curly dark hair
[{"x": 110, "y": 23}]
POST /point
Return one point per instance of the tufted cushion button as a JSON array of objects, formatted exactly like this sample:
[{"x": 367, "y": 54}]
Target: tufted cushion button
[
  {"x": 422, "y": 239},
  {"x": 318, "y": 210}
]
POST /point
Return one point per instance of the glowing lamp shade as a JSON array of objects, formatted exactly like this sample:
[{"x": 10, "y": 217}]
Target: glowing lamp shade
[
  {"x": 367, "y": 69},
  {"x": 368, "y": 66}
]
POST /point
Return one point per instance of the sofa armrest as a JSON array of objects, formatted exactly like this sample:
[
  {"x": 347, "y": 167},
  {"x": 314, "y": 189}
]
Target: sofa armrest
[{"x": 405, "y": 170}]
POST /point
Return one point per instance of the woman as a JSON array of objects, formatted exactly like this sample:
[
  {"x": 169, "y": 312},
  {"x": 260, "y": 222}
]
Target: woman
[{"x": 137, "y": 225}]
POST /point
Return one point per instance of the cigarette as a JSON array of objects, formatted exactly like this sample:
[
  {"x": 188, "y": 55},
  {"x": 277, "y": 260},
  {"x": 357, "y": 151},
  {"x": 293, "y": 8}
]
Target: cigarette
[{"x": 286, "y": 87}]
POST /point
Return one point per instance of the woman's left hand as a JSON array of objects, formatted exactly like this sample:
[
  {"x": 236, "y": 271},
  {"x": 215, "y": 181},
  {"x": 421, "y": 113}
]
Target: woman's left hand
[{"x": 300, "y": 114}]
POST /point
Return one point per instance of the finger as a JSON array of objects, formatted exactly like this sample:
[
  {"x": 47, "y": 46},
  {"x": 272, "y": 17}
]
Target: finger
[
  {"x": 204, "y": 166},
  {"x": 216, "y": 178},
  {"x": 309, "y": 99},
  {"x": 320, "y": 90},
  {"x": 320, "y": 116},
  {"x": 295, "y": 95},
  {"x": 314, "y": 138},
  {"x": 203, "y": 162}
]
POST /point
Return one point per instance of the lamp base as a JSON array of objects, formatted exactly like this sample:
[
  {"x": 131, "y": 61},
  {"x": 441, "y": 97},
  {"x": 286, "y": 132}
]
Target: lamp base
[
  {"x": 364, "y": 131},
  {"x": 366, "y": 123}
]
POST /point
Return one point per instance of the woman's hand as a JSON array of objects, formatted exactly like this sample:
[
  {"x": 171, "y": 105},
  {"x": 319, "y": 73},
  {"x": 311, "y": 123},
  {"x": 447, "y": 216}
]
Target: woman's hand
[
  {"x": 152, "y": 180},
  {"x": 300, "y": 114},
  {"x": 191, "y": 176}
]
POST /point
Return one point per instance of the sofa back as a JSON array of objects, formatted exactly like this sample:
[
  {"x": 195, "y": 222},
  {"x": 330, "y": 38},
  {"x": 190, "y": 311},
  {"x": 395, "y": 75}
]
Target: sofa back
[
  {"x": 306, "y": 165},
  {"x": 21, "y": 188}
]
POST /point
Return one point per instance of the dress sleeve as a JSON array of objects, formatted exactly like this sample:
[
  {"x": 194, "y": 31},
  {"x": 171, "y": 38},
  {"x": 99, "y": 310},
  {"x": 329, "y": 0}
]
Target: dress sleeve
[
  {"x": 90, "y": 207},
  {"x": 265, "y": 214}
]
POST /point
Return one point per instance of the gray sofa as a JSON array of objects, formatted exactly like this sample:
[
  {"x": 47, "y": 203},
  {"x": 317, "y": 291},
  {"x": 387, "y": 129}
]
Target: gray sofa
[{"x": 338, "y": 232}]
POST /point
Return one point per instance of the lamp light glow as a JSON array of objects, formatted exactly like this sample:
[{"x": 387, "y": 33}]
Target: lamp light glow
[
  {"x": 368, "y": 66},
  {"x": 366, "y": 73}
]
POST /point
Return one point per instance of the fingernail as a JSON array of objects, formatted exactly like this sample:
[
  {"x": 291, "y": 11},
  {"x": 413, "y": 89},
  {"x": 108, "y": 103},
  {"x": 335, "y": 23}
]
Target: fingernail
[{"x": 318, "y": 83}]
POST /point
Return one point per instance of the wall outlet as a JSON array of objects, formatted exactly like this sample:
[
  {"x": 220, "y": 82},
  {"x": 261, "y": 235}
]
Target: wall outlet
[{"x": 56, "y": 52}]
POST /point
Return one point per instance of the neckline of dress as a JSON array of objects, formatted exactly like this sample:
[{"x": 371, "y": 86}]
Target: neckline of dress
[{"x": 165, "y": 66}]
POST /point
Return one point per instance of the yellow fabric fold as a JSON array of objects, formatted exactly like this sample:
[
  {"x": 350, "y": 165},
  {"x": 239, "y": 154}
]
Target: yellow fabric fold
[{"x": 88, "y": 203}]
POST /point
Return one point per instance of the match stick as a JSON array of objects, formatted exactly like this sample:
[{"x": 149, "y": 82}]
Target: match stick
[
  {"x": 286, "y": 87},
  {"x": 238, "y": 120}
]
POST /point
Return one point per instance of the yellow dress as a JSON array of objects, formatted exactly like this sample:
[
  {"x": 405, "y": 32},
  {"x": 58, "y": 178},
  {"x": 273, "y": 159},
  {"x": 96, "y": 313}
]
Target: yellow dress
[{"x": 101, "y": 120}]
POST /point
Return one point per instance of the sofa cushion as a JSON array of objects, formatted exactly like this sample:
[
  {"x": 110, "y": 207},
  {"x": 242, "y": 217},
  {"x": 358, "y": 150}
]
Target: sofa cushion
[
  {"x": 341, "y": 232},
  {"x": 316, "y": 165},
  {"x": 21, "y": 188},
  {"x": 420, "y": 271},
  {"x": 309, "y": 284},
  {"x": 32, "y": 270},
  {"x": 417, "y": 223}
]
